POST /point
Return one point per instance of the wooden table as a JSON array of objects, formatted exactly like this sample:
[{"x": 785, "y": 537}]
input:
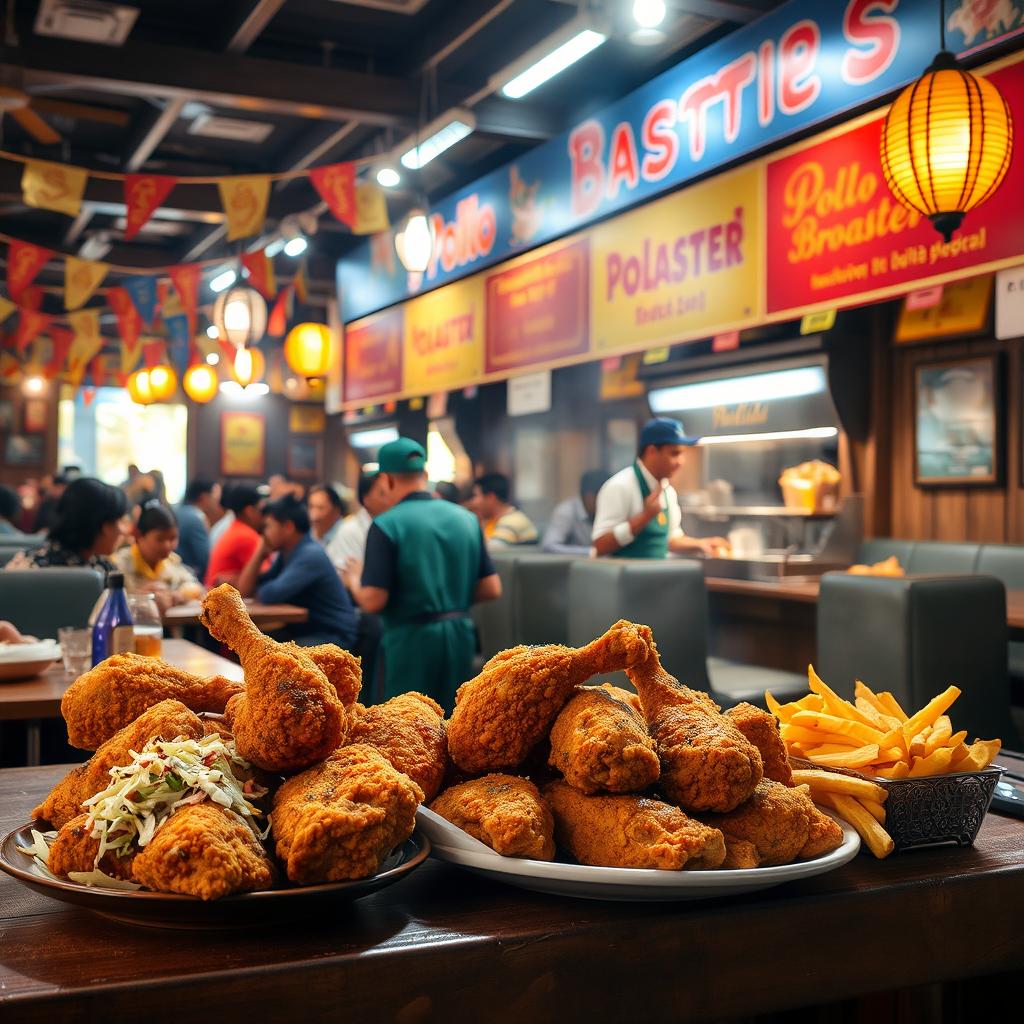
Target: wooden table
[
  {"x": 177, "y": 618},
  {"x": 38, "y": 698},
  {"x": 444, "y": 945}
]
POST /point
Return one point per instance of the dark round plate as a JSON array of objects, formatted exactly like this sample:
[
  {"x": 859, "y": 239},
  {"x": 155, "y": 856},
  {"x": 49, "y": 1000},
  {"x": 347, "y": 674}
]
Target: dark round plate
[{"x": 169, "y": 910}]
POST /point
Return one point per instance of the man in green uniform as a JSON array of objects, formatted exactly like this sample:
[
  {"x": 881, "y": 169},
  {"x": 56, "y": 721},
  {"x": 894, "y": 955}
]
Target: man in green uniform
[
  {"x": 426, "y": 563},
  {"x": 638, "y": 513}
]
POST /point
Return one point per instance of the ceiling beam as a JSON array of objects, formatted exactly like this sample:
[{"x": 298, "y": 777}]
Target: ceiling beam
[
  {"x": 151, "y": 132},
  {"x": 225, "y": 80},
  {"x": 78, "y": 225},
  {"x": 260, "y": 15},
  {"x": 497, "y": 116},
  {"x": 312, "y": 152}
]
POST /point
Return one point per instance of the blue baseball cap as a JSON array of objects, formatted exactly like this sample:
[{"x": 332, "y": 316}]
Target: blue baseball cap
[{"x": 663, "y": 430}]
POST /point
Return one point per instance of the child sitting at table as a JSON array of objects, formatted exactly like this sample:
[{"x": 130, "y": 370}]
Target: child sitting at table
[{"x": 150, "y": 564}]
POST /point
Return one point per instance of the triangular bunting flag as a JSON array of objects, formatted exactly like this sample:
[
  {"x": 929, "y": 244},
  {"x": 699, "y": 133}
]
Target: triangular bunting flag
[
  {"x": 57, "y": 187},
  {"x": 301, "y": 284},
  {"x": 153, "y": 352},
  {"x": 371, "y": 210},
  {"x": 130, "y": 355},
  {"x": 143, "y": 295},
  {"x": 245, "y": 203},
  {"x": 277, "y": 322},
  {"x": 81, "y": 279},
  {"x": 32, "y": 298},
  {"x": 88, "y": 394},
  {"x": 24, "y": 261},
  {"x": 129, "y": 323},
  {"x": 98, "y": 371},
  {"x": 88, "y": 341},
  {"x": 29, "y": 326},
  {"x": 9, "y": 366},
  {"x": 179, "y": 338},
  {"x": 186, "y": 283},
  {"x": 6, "y": 308},
  {"x": 62, "y": 340},
  {"x": 261, "y": 272},
  {"x": 336, "y": 184},
  {"x": 143, "y": 194}
]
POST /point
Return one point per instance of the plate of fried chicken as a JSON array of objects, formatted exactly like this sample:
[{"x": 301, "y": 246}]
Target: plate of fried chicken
[{"x": 601, "y": 792}]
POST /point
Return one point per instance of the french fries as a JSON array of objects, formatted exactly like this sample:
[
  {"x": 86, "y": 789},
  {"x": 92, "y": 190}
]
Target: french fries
[{"x": 874, "y": 736}]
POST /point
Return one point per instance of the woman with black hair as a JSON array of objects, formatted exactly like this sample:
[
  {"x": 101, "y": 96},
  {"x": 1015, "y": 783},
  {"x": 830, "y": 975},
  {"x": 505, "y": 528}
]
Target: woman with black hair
[
  {"x": 150, "y": 564},
  {"x": 85, "y": 530}
]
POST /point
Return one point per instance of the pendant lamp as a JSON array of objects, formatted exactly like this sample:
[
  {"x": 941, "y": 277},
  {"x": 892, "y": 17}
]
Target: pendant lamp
[
  {"x": 240, "y": 316},
  {"x": 414, "y": 243},
  {"x": 249, "y": 366},
  {"x": 947, "y": 141},
  {"x": 163, "y": 382},
  {"x": 138, "y": 388},
  {"x": 200, "y": 383},
  {"x": 307, "y": 350}
]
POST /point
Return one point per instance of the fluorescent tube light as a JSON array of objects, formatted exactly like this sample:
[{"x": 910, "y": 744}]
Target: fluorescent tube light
[
  {"x": 295, "y": 246},
  {"x": 757, "y": 387},
  {"x": 553, "y": 63},
  {"x": 222, "y": 281},
  {"x": 438, "y": 136},
  {"x": 372, "y": 438},
  {"x": 776, "y": 435}
]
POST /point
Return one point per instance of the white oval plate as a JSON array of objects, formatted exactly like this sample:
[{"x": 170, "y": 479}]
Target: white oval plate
[{"x": 452, "y": 844}]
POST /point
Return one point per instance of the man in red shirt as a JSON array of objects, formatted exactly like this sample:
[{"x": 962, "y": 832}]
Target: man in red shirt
[{"x": 238, "y": 543}]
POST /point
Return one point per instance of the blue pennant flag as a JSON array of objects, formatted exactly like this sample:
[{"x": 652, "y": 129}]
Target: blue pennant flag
[
  {"x": 177, "y": 340},
  {"x": 143, "y": 293}
]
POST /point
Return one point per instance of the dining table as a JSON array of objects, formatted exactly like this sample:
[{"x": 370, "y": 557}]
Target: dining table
[
  {"x": 916, "y": 936},
  {"x": 32, "y": 700},
  {"x": 178, "y": 617}
]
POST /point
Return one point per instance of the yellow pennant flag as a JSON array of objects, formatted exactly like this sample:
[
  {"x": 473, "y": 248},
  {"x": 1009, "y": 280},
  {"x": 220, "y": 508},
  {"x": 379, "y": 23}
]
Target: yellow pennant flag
[
  {"x": 85, "y": 324},
  {"x": 81, "y": 279},
  {"x": 6, "y": 308},
  {"x": 371, "y": 209},
  {"x": 130, "y": 355},
  {"x": 53, "y": 186},
  {"x": 245, "y": 203}
]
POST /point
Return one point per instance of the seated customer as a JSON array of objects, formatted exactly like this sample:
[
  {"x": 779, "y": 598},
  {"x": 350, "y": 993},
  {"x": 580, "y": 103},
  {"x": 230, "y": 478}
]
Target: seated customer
[
  {"x": 503, "y": 524},
  {"x": 85, "y": 530},
  {"x": 326, "y": 510},
  {"x": 150, "y": 564},
  {"x": 572, "y": 521},
  {"x": 349, "y": 543},
  {"x": 231, "y": 553},
  {"x": 301, "y": 574},
  {"x": 10, "y": 508},
  {"x": 200, "y": 508}
]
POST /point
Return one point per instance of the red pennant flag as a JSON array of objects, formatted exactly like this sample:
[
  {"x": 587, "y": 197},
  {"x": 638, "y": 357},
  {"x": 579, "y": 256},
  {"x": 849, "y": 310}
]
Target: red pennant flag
[
  {"x": 261, "y": 272},
  {"x": 153, "y": 353},
  {"x": 277, "y": 322},
  {"x": 129, "y": 323},
  {"x": 31, "y": 324},
  {"x": 88, "y": 394},
  {"x": 186, "y": 283},
  {"x": 300, "y": 283},
  {"x": 62, "y": 340},
  {"x": 97, "y": 369},
  {"x": 32, "y": 298},
  {"x": 24, "y": 261},
  {"x": 143, "y": 194},
  {"x": 336, "y": 184}
]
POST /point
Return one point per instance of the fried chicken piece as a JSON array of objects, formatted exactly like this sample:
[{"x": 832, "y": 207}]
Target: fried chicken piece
[
  {"x": 707, "y": 764},
  {"x": 217, "y": 727},
  {"x": 409, "y": 731},
  {"x": 502, "y": 713},
  {"x": 167, "y": 720},
  {"x": 340, "y": 819},
  {"x": 74, "y": 849},
  {"x": 599, "y": 743},
  {"x": 204, "y": 850},
  {"x": 503, "y": 811},
  {"x": 289, "y": 716},
  {"x": 740, "y": 853},
  {"x": 631, "y": 832},
  {"x": 343, "y": 670},
  {"x": 626, "y": 696},
  {"x": 120, "y": 688},
  {"x": 762, "y": 730},
  {"x": 779, "y": 821}
]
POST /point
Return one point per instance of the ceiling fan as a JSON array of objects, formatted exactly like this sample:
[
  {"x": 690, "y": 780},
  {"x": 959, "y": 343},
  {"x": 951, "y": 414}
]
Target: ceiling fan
[{"x": 26, "y": 110}]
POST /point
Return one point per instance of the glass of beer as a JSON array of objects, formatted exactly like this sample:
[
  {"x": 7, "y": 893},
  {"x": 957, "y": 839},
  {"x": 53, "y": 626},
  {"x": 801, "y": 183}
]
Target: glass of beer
[{"x": 149, "y": 630}]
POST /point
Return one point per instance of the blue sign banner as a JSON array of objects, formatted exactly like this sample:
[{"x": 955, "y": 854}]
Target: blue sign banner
[{"x": 798, "y": 66}]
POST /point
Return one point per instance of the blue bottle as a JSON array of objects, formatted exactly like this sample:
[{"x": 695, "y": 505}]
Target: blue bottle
[{"x": 113, "y": 632}]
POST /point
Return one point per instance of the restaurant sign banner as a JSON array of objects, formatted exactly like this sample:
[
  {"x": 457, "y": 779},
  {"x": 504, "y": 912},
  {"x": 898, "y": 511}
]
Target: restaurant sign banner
[
  {"x": 834, "y": 230},
  {"x": 679, "y": 267},
  {"x": 799, "y": 65},
  {"x": 373, "y": 357}
]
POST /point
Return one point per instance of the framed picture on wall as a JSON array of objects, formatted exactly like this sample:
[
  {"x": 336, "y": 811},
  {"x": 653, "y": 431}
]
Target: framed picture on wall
[
  {"x": 24, "y": 450},
  {"x": 304, "y": 456},
  {"x": 34, "y": 416},
  {"x": 957, "y": 424},
  {"x": 6, "y": 415},
  {"x": 242, "y": 444}
]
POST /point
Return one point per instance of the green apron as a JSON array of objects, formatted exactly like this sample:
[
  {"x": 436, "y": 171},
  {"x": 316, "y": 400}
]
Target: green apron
[
  {"x": 428, "y": 639},
  {"x": 652, "y": 540}
]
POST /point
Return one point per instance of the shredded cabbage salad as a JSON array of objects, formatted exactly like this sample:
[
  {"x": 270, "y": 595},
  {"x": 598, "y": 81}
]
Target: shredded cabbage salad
[{"x": 160, "y": 779}]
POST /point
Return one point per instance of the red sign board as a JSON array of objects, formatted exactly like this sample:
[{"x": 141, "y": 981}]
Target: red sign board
[
  {"x": 373, "y": 356},
  {"x": 834, "y": 229},
  {"x": 537, "y": 311}
]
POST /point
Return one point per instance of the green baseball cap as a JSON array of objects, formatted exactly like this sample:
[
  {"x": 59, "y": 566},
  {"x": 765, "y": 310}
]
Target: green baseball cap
[{"x": 402, "y": 456}]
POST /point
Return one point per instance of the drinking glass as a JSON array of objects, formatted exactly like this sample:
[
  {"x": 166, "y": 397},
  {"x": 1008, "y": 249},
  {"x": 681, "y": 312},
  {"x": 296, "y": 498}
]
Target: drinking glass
[
  {"x": 75, "y": 649},
  {"x": 149, "y": 630}
]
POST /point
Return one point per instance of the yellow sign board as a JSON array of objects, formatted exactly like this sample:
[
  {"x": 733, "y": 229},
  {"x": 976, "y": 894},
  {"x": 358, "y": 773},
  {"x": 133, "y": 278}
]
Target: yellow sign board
[
  {"x": 815, "y": 323},
  {"x": 963, "y": 309},
  {"x": 681, "y": 267},
  {"x": 444, "y": 338}
]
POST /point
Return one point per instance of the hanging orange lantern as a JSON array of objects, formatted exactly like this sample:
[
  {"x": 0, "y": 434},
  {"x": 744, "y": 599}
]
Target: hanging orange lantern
[
  {"x": 200, "y": 383},
  {"x": 163, "y": 382},
  {"x": 248, "y": 366},
  {"x": 139, "y": 388},
  {"x": 308, "y": 350}
]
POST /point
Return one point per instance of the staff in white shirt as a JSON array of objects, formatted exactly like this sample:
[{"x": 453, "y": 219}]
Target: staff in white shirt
[{"x": 637, "y": 509}]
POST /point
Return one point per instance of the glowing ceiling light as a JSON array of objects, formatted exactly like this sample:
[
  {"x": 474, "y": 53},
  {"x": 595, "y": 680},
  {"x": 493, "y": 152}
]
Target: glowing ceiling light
[
  {"x": 224, "y": 280},
  {"x": 388, "y": 177},
  {"x": 553, "y": 63},
  {"x": 757, "y": 387},
  {"x": 296, "y": 246},
  {"x": 772, "y": 435},
  {"x": 649, "y": 13},
  {"x": 437, "y": 137}
]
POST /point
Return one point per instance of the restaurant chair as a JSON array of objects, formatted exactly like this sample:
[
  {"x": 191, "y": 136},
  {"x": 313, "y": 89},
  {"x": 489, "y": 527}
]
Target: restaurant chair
[
  {"x": 40, "y": 601},
  {"x": 945, "y": 558},
  {"x": 915, "y": 637},
  {"x": 670, "y": 597},
  {"x": 878, "y": 549},
  {"x": 1006, "y": 563},
  {"x": 540, "y": 598}
]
